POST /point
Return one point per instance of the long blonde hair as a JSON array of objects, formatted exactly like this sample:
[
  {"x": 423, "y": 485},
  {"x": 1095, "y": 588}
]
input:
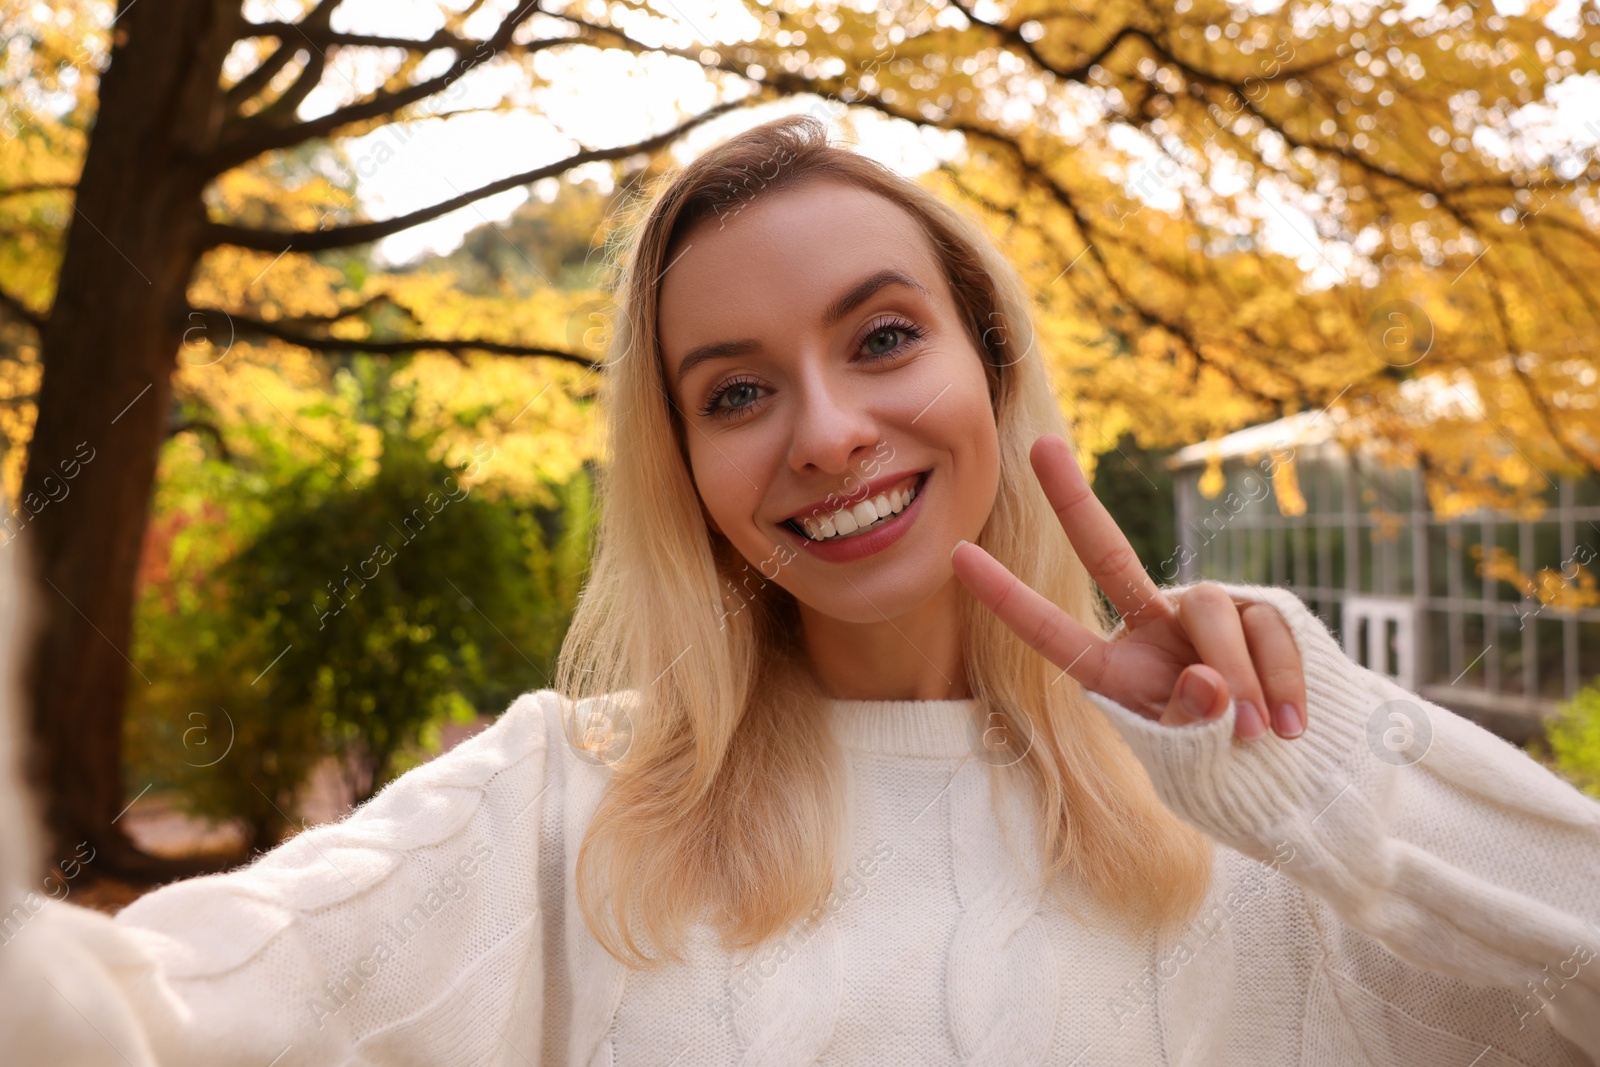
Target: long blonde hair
[{"x": 726, "y": 803}]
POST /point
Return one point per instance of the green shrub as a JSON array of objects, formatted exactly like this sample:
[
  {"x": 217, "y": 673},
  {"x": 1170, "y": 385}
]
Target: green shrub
[
  {"x": 1574, "y": 738},
  {"x": 343, "y": 619}
]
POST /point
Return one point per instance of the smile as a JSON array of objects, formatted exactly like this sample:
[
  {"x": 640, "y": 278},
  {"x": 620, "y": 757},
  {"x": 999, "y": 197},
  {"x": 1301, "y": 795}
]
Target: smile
[{"x": 860, "y": 518}]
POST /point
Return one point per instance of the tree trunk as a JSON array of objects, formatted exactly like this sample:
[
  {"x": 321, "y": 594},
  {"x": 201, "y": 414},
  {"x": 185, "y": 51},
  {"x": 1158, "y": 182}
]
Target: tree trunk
[{"x": 108, "y": 350}]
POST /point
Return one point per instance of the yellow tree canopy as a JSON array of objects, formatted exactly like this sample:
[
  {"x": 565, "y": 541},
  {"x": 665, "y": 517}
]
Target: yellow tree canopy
[{"x": 1226, "y": 215}]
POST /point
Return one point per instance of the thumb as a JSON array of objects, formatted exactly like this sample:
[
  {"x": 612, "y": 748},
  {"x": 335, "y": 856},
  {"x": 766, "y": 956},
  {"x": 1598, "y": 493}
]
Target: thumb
[{"x": 1200, "y": 694}]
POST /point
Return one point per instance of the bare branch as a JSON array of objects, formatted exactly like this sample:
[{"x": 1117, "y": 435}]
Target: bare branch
[
  {"x": 324, "y": 37},
  {"x": 244, "y": 324},
  {"x": 30, "y": 188},
  {"x": 258, "y": 136},
  {"x": 22, "y": 311},
  {"x": 1349, "y": 155},
  {"x": 282, "y": 110},
  {"x": 352, "y": 311},
  {"x": 1022, "y": 44},
  {"x": 258, "y": 79},
  {"x": 199, "y": 427},
  {"x": 361, "y": 233}
]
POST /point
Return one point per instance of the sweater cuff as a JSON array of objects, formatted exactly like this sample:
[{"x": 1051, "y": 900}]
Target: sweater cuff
[{"x": 1245, "y": 793}]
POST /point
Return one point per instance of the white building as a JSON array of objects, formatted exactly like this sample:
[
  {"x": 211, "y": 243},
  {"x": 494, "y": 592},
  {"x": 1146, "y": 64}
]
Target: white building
[{"x": 1401, "y": 588}]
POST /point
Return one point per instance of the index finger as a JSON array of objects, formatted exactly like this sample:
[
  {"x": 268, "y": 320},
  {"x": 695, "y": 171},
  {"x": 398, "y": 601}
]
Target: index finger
[
  {"x": 1042, "y": 625},
  {"x": 1095, "y": 535}
]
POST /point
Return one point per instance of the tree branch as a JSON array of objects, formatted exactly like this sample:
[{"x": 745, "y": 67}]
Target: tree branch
[
  {"x": 325, "y": 36},
  {"x": 244, "y": 324},
  {"x": 354, "y": 310},
  {"x": 199, "y": 427},
  {"x": 361, "y": 233},
  {"x": 29, "y": 188},
  {"x": 1014, "y": 37},
  {"x": 1164, "y": 53},
  {"x": 282, "y": 110},
  {"x": 257, "y": 137},
  {"x": 258, "y": 79},
  {"x": 21, "y": 311},
  {"x": 635, "y": 46},
  {"x": 1351, "y": 156}
]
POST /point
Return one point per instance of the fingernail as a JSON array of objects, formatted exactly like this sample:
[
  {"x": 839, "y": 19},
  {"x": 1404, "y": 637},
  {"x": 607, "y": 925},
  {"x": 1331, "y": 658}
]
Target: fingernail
[
  {"x": 1251, "y": 724},
  {"x": 1290, "y": 724},
  {"x": 1197, "y": 695},
  {"x": 958, "y": 545}
]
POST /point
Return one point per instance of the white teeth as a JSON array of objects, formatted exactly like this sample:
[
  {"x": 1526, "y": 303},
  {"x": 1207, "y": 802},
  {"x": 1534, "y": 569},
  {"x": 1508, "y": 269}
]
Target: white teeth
[{"x": 862, "y": 514}]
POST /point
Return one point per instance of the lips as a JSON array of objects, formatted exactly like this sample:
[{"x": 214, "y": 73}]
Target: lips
[
  {"x": 861, "y": 493},
  {"x": 848, "y": 546}
]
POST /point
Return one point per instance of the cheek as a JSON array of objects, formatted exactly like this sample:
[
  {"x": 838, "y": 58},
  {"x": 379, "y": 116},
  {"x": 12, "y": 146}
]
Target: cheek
[
  {"x": 968, "y": 417},
  {"x": 971, "y": 433},
  {"x": 982, "y": 441},
  {"x": 727, "y": 496}
]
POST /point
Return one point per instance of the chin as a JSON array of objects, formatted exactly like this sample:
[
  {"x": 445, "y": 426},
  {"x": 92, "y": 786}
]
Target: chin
[{"x": 888, "y": 592}]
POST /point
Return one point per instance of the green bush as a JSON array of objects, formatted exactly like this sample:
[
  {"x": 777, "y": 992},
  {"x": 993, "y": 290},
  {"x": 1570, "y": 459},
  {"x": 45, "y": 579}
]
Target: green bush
[
  {"x": 1574, "y": 738},
  {"x": 323, "y": 617}
]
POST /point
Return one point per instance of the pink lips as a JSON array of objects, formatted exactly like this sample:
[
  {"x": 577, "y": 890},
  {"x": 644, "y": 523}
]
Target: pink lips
[
  {"x": 833, "y": 503},
  {"x": 849, "y": 549}
]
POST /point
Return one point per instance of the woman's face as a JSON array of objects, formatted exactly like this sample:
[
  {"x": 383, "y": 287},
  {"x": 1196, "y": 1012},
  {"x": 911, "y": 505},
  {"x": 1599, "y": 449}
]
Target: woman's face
[{"x": 837, "y": 415}]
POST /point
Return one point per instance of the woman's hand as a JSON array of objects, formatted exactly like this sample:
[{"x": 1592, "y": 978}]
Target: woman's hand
[{"x": 1179, "y": 655}]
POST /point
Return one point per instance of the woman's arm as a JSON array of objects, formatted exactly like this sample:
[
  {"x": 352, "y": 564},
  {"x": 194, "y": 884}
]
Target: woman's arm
[
  {"x": 1453, "y": 848},
  {"x": 410, "y": 930}
]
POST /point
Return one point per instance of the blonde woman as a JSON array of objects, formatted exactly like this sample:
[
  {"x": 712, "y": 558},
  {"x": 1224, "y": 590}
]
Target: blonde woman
[{"x": 845, "y": 765}]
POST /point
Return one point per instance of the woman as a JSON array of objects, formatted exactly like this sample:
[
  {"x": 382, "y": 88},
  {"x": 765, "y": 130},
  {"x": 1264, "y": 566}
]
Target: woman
[{"x": 844, "y": 763}]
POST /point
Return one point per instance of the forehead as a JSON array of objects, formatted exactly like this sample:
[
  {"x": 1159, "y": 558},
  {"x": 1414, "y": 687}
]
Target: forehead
[{"x": 782, "y": 257}]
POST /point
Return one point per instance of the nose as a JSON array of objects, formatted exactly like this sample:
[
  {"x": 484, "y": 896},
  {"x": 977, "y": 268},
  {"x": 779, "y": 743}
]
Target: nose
[{"x": 833, "y": 427}]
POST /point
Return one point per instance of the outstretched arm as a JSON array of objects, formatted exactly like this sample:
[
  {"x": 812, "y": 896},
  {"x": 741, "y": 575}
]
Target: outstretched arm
[
  {"x": 1446, "y": 844},
  {"x": 410, "y": 930},
  {"x": 1450, "y": 846}
]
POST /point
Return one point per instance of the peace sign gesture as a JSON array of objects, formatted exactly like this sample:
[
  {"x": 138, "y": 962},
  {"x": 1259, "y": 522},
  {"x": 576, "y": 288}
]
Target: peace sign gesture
[{"x": 1178, "y": 657}]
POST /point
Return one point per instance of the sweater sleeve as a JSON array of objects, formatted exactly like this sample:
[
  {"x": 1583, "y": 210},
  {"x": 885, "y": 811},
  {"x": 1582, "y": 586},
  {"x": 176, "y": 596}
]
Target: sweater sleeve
[
  {"x": 1451, "y": 847},
  {"x": 409, "y": 931}
]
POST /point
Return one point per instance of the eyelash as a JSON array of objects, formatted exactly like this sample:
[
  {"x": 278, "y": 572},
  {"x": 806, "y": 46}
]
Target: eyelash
[{"x": 913, "y": 334}]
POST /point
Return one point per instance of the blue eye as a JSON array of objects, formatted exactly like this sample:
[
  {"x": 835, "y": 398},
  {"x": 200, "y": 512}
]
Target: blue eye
[
  {"x": 887, "y": 329},
  {"x": 743, "y": 390},
  {"x": 739, "y": 395}
]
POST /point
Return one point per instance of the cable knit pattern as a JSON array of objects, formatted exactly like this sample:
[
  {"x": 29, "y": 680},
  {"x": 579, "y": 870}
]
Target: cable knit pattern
[
  {"x": 1441, "y": 910},
  {"x": 1003, "y": 987},
  {"x": 789, "y": 1019}
]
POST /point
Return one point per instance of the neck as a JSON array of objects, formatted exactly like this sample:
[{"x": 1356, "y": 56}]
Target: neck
[{"x": 915, "y": 656}]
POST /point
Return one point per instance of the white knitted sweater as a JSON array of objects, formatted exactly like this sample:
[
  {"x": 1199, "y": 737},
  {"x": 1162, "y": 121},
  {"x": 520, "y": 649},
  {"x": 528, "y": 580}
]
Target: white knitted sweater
[{"x": 1366, "y": 910}]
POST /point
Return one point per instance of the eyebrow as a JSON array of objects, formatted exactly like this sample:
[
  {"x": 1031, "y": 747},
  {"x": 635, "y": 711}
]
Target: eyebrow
[{"x": 842, "y": 305}]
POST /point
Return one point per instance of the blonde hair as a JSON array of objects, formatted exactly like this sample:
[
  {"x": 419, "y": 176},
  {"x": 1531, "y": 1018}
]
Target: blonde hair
[{"x": 725, "y": 804}]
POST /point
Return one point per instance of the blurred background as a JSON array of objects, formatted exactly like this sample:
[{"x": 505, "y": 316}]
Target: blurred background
[{"x": 302, "y": 306}]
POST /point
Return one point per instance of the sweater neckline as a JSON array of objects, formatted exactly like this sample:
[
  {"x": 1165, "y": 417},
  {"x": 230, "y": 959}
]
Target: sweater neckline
[{"x": 942, "y": 729}]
